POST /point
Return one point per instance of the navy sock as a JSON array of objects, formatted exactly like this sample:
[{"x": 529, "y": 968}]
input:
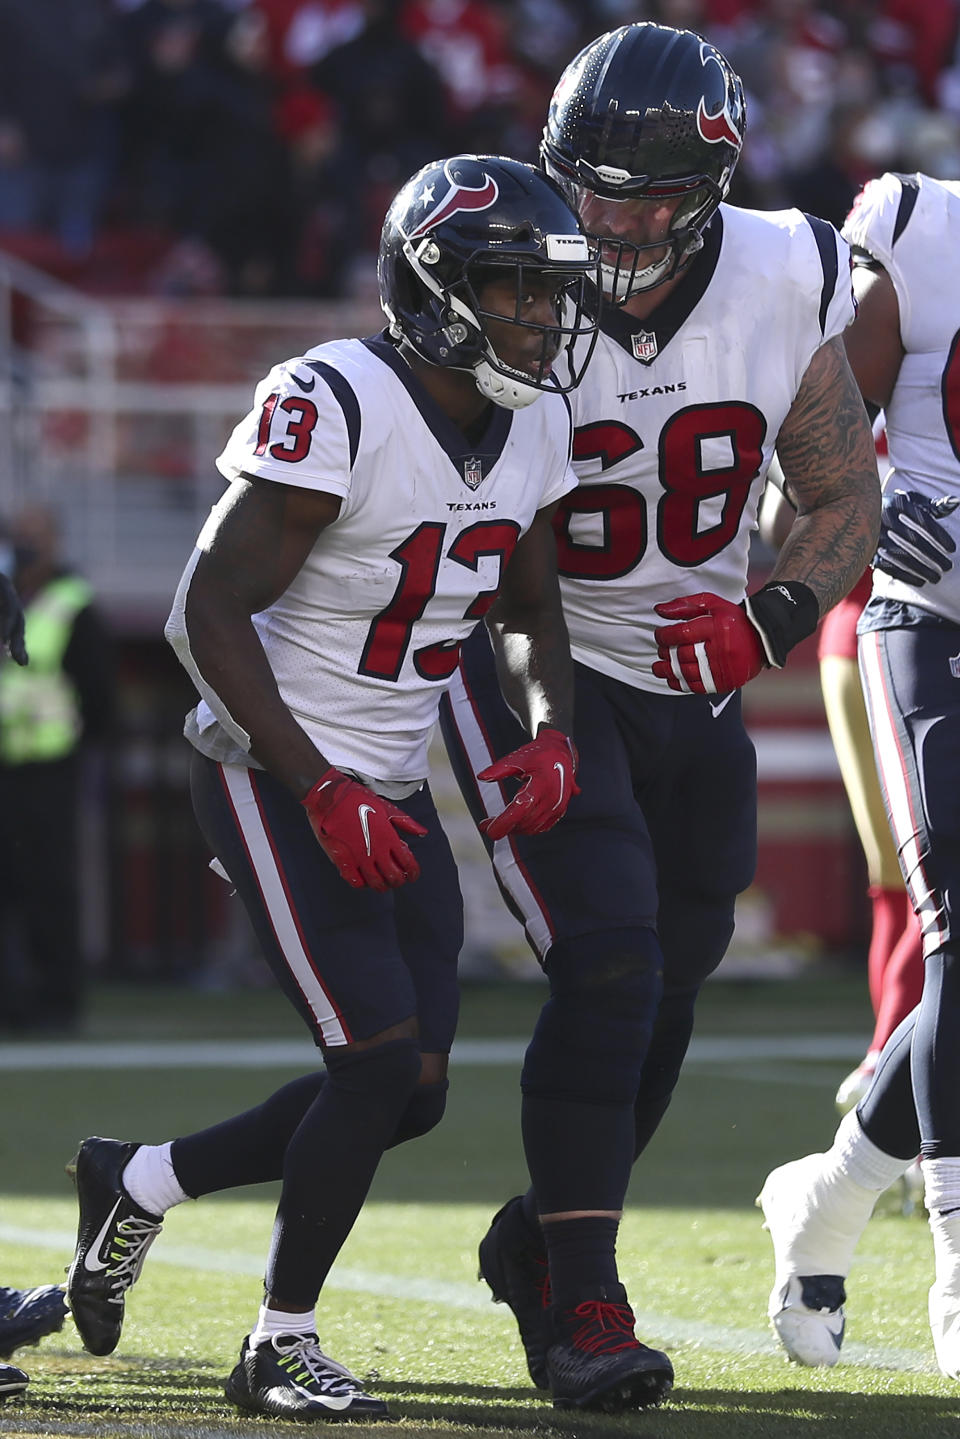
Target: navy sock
[
  {"x": 531, "y": 1213},
  {"x": 582, "y": 1257},
  {"x": 330, "y": 1162},
  {"x": 248, "y": 1148}
]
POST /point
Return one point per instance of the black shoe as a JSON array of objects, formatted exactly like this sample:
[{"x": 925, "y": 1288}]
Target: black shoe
[
  {"x": 26, "y": 1315},
  {"x": 113, "y": 1237},
  {"x": 13, "y": 1381},
  {"x": 516, "y": 1270},
  {"x": 290, "y": 1377},
  {"x": 595, "y": 1361}
]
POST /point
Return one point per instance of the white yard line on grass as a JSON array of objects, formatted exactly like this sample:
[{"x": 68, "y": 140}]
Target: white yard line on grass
[
  {"x": 301, "y": 1054},
  {"x": 665, "y": 1328}
]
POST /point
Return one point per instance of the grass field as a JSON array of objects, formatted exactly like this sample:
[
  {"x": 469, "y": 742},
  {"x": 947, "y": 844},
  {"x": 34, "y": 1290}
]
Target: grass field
[{"x": 404, "y": 1301}]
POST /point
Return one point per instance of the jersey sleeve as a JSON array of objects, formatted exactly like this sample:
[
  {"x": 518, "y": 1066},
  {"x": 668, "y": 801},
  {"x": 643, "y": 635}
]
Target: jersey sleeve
[
  {"x": 872, "y": 222},
  {"x": 832, "y": 277},
  {"x": 840, "y": 306},
  {"x": 303, "y": 430}
]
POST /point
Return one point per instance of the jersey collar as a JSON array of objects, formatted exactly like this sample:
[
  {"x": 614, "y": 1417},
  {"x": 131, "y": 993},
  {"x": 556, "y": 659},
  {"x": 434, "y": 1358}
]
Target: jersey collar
[
  {"x": 473, "y": 462},
  {"x": 675, "y": 310}
]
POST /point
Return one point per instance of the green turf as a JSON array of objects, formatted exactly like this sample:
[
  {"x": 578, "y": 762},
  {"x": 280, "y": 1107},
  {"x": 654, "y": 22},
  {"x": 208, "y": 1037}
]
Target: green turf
[
  {"x": 829, "y": 999},
  {"x": 403, "y": 1299}
]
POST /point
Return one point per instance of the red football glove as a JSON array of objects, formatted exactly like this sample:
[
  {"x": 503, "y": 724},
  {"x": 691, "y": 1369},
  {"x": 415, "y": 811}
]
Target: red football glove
[
  {"x": 550, "y": 764},
  {"x": 358, "y": 830},
  {"x": 716, "y": 649}
]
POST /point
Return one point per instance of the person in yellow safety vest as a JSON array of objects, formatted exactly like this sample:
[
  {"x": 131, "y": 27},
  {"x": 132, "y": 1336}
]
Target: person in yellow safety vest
[
  {"x": 39, "y": 705},
  {"x": 49, "y": 710}
]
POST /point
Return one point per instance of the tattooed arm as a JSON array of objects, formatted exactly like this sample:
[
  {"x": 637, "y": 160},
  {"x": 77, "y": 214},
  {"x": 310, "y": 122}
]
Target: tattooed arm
[
  {"x": 826, "y": 449},
  {"x": 254, "y": 543},
  {"x": 529, "y": 632}
]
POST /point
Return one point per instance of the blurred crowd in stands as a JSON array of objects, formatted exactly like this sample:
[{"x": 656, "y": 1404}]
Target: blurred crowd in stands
[{"x": 249, "y": 147}]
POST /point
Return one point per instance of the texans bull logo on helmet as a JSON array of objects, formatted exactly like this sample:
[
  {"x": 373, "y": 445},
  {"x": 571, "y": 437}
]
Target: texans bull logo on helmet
[
  {"x": 724, "y": 125},
  {"x": 458, "y": 198}
]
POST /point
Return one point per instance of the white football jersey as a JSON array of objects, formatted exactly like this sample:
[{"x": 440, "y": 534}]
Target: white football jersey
[
  {"x": 366, "y": 638},
  {"x": 911, "y": 225},
  {"x": 675, "y": 425}
]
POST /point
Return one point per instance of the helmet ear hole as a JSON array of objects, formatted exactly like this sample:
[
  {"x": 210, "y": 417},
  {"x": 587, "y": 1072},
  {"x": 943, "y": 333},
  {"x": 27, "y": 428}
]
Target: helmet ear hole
[{"x": 457, "y": 333}]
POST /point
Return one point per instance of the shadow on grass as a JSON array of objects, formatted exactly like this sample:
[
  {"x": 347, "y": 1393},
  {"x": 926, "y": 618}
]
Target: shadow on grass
[
  {"x": 687, "y": 1414},
  {"x": 174, "y": 1398}
]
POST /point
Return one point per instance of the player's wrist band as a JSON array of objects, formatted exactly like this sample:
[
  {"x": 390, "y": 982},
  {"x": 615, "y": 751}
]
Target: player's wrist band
[{"x": 782, "y": 613}]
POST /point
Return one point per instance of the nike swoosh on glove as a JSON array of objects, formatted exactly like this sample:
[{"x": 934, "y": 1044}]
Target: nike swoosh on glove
[
  {"x": 719, "y": 646},
  {"x": 549, "y": 765},
  {"x": 913, "y": 546},
  {"x": 359, "y": 831}
]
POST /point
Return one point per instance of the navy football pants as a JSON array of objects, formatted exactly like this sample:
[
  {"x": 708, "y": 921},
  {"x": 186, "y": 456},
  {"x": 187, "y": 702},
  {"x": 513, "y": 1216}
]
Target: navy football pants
[
  {"x": 353, "y": 963},
  {"x": 662, "y": 837}
]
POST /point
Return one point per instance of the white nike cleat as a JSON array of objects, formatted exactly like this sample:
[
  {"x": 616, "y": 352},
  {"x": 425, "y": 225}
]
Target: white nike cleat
[
  {"x": 815, "y": 1216},
  {"x": 807, "y": 1317},
  {"x": 944, "y": 1298}
]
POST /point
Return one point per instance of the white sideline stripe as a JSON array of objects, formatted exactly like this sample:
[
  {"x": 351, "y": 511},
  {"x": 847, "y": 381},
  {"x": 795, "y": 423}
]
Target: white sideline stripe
[
  {"x": 505, "y": 862},
  {"x": 893, "y": 774},
  {"x": 795, "y": 755},
  {"x": 660, "y": 1328},
  {"x": 276, "y": 901},
  {"x": 301, "y": 1054}
]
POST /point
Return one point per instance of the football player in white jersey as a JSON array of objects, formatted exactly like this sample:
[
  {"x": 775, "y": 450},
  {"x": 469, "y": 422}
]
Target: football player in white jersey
[
  {"x": 905, "y": 351},
  {"x": 720, "y": 340},
  {"x": 383, "y": 494}
]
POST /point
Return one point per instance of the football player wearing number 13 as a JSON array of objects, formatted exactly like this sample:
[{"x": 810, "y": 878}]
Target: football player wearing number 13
[
  {"x": 720, "y": 340},
  {"x": 383, "y": 495}
]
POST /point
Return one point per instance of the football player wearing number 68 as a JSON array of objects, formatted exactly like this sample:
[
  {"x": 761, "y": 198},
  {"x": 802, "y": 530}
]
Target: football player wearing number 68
[
  {"x": 383, "y": 496},
  {"x": 721, "y": 339}
]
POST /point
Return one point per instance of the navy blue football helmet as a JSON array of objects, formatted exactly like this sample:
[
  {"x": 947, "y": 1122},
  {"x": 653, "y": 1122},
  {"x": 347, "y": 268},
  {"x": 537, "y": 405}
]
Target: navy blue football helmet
[
  {"x": 453, "y": 225},
  {"x": 647, "y": 112}
]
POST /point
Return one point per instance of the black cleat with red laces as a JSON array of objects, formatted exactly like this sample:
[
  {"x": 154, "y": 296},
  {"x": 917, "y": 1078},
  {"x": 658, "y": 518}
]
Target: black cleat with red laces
[
  {"x": 595, "y": 1361},
  {"x": 516, "y": 1270}
]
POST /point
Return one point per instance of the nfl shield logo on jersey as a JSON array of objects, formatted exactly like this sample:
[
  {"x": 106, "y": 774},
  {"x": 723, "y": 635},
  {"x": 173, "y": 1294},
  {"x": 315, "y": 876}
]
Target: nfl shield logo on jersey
[
  {"x": 644, "y": 345},
  {"x": 472, "y": 472}
]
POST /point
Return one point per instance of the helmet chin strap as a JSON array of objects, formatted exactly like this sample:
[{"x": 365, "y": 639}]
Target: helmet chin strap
[
  {"x": 504, "y": 390},
  {"x": 619, "y": 284}
]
